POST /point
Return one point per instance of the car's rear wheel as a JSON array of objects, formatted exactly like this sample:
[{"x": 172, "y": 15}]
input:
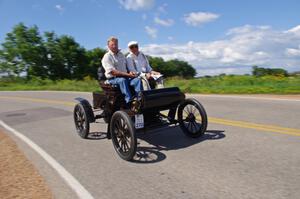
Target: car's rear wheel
[
  {"x": 123, "y": 135},
  {"x": 192, "y": 118},
  {"x": 81, "y": 121}
]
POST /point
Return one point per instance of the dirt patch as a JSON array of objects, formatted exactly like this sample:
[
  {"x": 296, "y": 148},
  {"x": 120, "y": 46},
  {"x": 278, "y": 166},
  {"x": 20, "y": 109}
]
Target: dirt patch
[{"x": 18, "y": 177}]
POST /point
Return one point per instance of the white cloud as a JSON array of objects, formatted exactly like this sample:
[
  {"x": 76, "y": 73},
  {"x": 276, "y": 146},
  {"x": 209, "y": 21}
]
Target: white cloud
[
  {"x": 166, "y": 22},
  {"x": 295, "y": 30},
  {"x": 170, "y": 38},
  {"x": 60, "y": 8},
  {"x": 137, "y": 4},
  {"x": 241, "y": 48},
  {"x": 152, "y": 32},
  {"x": 199, "y": 18},
  {"x": 293, "y": 52},
  {"x": 245, "y": 29}
]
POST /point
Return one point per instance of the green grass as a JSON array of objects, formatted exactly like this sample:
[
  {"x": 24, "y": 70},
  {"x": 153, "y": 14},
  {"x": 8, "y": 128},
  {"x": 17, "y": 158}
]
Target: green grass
[
  {"x": 238, "y": 84},
  {"x": 38, "y": 84}
]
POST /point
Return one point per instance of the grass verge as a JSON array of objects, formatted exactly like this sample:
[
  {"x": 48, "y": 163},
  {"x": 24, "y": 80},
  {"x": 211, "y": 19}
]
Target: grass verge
[{"x": 232, "y": 84}]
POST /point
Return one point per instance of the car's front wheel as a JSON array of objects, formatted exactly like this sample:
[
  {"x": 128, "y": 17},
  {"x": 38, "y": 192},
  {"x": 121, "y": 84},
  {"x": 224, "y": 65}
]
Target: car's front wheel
[{"x": 123, "y": 135}]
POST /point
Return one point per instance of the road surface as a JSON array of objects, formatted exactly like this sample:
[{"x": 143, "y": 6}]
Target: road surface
[{"x": 251, "y": 150}]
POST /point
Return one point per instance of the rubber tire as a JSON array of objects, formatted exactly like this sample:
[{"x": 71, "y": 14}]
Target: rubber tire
[
  {"x": 133, "y": 146},
  {"x": 82, "y": 132},
  {"x": 203, "y": 114}
]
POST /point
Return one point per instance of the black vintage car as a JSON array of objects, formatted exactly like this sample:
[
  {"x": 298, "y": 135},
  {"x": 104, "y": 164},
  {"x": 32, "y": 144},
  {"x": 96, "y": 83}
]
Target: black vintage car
[{"x": 154, "y": 109}]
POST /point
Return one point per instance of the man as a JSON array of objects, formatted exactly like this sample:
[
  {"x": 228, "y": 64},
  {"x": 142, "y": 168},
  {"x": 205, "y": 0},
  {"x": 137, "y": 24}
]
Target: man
[
  {"x": 137, "y": 62},
  {"x": 114, "y": 63}
]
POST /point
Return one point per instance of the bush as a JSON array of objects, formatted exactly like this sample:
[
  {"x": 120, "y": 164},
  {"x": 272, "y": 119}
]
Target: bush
[{"x": 258, "y": 72}]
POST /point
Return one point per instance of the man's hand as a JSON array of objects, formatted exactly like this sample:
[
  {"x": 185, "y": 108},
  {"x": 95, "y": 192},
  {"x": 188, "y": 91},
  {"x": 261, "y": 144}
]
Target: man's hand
[
  {"x": 117, "y": 73},
  {"x": 132, "y": 74}
]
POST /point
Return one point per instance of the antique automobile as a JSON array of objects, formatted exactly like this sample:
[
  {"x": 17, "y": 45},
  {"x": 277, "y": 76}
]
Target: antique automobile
[{"x": 154, "y": 108}]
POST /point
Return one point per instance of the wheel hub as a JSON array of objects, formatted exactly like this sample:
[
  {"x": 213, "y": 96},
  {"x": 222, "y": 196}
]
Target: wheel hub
[{"x": 191, "y": 118}]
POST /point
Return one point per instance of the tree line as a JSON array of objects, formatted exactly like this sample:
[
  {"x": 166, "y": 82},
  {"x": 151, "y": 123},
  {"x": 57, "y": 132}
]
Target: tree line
[
  {"x": 259, "y": 71},
  {"x": 28, "y": 53}
]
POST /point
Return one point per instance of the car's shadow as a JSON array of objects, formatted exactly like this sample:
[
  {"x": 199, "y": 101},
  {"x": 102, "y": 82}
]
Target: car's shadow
[
  {"x": 166, "y": 140},
  {"x": 161, "y": 140},
  {"x": 97, "y": 136}
]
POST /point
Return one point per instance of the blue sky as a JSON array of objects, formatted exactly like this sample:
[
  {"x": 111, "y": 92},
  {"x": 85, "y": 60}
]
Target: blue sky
[{"x": 214, "y": 36}]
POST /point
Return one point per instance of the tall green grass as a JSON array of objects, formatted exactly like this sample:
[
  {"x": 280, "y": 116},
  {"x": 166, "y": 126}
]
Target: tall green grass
[
  {"x": 39, "y": 84},
  {"x": 239, "y": 84},
  {"x": 232, "y": 84}
]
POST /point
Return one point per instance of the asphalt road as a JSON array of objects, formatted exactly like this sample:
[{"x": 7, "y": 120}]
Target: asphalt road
[{"x": 251, "y": 150}]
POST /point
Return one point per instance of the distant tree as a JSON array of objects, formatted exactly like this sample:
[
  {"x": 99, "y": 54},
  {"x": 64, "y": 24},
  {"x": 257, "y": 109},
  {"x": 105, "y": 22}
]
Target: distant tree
[
  {"x": 278, "y": 72},
  {"x": 94, "y": 57},
  {"x": 156, "y": 63},
  {"x": 23, "y": 51},
  {"x": 172, "y": 67},
  {"x": 26, "y": 52},
  {"x": 5, "y": 67},
  {"x": 258, "y": 71},
  {"x": 65, "y": 58},
  {"x": 181, "y": 68},
  {"x": 56, "y": 68},
  {"x": 74, "y": 59}
]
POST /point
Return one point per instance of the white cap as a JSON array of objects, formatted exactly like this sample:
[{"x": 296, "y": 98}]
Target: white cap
[{"x": 132, "y": 43}]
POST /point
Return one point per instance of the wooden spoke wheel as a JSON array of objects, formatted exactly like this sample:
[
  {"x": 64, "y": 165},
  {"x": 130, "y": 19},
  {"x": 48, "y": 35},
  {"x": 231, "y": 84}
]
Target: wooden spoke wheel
[
  {"x": 123, "y": 135},
  {"x": 81, "y": 121},
  {"x": 192, "y": 118}
]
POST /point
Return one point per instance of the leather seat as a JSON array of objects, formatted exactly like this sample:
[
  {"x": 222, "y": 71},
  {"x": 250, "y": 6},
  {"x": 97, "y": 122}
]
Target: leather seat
[
  {"x": 107, "y": 86},
  {"x": 104, "y": 84}
]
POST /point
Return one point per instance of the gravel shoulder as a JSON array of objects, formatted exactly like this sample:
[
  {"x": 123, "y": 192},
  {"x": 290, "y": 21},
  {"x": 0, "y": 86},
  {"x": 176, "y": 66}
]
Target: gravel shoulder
[{"x": 19, "y": 178}]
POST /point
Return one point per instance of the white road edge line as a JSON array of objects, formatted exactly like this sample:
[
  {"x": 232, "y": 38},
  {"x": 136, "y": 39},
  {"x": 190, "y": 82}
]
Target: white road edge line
[{"x": 81, "y": 192}]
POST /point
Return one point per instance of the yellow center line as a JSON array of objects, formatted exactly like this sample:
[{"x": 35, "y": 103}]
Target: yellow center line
[
  {"x": 255, "y": 125},
  {"x": 39, "y": 100},
  {"x": 262, "y": 127},
  {"x": 242, "y": 124}
]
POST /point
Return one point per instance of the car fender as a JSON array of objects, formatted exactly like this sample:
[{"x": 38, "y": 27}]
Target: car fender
[{"x": 87, "y": 107}]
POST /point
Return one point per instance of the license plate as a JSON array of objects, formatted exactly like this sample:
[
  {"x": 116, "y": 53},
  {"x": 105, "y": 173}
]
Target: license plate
[{"x": 139, "y": 121}]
